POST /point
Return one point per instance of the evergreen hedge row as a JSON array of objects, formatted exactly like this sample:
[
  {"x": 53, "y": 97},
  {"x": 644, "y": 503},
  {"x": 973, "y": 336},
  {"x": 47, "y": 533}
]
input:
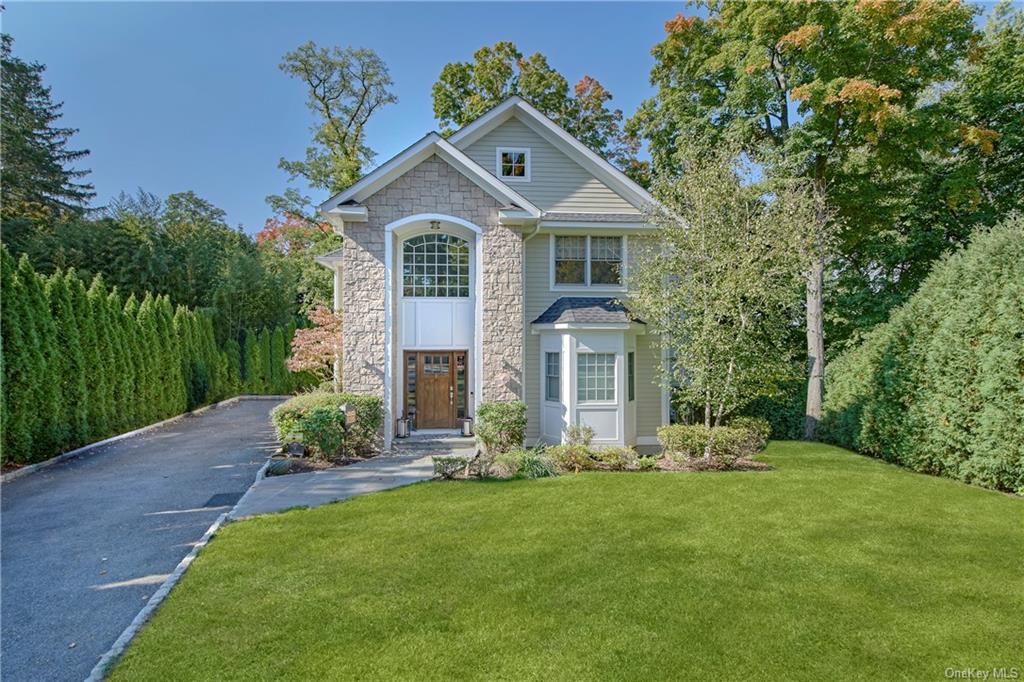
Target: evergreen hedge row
[
  {"x": 80, "y": 364},
  {"x": 939, "y": 388}
]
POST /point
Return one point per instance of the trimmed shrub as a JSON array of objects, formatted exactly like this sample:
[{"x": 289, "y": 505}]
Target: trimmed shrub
[
  {"x": 648, "y": 463},
  {"x": 688, "y": 442},
  {"x": 327, "y": 419},
  {"x": 617, "y": 458},
  {"x": 572, "y": 457},
  {"x": 783, "y": 412},
  {"x": 500, "y": 427},
  {"x": 939, "y": 388},
  {"x": 450, "y": 466},
  {"x": 683, "y": 441},
  {"x": 527, "y": 463},
  {"x": 757, "y": 428}
]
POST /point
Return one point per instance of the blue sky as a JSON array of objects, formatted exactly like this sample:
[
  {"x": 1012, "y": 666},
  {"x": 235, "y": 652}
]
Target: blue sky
[{"x": 171, "y": 97}]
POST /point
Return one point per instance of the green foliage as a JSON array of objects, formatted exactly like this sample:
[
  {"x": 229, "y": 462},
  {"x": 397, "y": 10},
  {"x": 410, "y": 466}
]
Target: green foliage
[
  {"x": 648, "y": 463},
  {"x": 79, "y": 366},
  {"x": 617, "y": 458},
  {"x": 278, "y": 372},
  {"x": 344, "y": 88},
  {"x": 266, "y": 379},
  {"x": 363, "y": 435},
  {"x": 721, "y": 445},
  {"x": 572, "y": 457},
  {"x": 36, "y": 176},
  {"x": 579, "y": 434},
  {"x": 757, "y": 428},
  {"x": 783, "y": 410},
  {"x": 527, "y": 463},
  {"x": 500, "y": 427},
  {"x": 450, "y": 466},
  {"x": 734, "y": 263},
  {"x": 939, "y": 388}
]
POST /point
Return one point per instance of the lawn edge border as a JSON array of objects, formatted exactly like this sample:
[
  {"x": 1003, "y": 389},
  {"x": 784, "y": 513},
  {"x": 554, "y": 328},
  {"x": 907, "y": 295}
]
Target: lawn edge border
[
  {"x": 87, "y": 449},
  {"x": 106, "y": 662},
  {"x": 99, "y": 671}
]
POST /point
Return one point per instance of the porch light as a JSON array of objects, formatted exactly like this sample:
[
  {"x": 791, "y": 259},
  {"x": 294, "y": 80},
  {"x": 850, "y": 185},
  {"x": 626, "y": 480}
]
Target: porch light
[{"x": 435, "y": 224}]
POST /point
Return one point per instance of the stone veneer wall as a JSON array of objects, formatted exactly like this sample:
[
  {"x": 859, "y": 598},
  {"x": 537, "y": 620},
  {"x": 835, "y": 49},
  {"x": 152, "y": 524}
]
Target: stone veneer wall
[{"x": 432, "y": 187}]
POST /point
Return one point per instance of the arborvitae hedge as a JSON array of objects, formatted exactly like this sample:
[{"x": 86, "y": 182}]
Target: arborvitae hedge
[
  {"x": 79, "y": 365},
  {"x": 939, "y": 388}
]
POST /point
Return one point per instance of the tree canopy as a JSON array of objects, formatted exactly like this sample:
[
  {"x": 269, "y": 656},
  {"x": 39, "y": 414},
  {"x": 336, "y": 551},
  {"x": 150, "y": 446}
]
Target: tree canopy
[
  {"x": 465, "y": 90},
  {"x": 38, "y": 177}
]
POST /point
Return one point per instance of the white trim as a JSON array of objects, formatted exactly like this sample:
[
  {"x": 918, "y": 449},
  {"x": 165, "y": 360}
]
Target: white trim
[
  {"x": 553, "y": 133},
  {"x": 547, "y": 223},
  {"x": 412, "y": 156},
  {"x": 476, "y": 352},
  {"x": 350, "y": 214},
  {"x": 587, "y": 286},
  {"x": 512, "y": 150},
  {"x": 636, "y": 328}
]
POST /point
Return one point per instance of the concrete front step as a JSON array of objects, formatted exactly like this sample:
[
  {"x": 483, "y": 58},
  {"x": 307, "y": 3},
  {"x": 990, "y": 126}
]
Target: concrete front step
[{"x": 439, "y": 445}]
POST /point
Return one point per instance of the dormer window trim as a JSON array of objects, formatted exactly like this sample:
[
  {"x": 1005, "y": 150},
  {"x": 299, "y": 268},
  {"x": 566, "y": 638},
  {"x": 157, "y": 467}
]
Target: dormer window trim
[{"x": 499, "y": 163}]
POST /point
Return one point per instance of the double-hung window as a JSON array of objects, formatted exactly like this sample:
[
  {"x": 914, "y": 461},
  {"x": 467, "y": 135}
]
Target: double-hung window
[
  {"x": 552, "y": 377},
  {"x": 595, "y": 377},
  {"x": 587, "y": 261}
]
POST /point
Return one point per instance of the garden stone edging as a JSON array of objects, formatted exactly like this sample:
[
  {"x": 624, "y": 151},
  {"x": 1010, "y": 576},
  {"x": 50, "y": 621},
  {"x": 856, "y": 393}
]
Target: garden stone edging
[
  {"x": 106, "y": 662},
  {"x": 86, "y": 449}
]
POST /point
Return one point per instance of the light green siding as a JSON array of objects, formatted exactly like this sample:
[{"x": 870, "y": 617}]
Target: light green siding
[
  {"x": 557, "y": 183},
  {"x": 536, "y": 261}
]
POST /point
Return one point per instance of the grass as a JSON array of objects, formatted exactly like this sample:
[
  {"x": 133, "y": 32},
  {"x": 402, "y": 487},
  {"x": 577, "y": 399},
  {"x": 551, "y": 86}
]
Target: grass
[{"x": 832, "y": 566}]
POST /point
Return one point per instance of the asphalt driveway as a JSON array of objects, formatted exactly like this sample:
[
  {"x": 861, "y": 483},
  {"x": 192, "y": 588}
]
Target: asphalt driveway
[{"x": 85, "y": 543}]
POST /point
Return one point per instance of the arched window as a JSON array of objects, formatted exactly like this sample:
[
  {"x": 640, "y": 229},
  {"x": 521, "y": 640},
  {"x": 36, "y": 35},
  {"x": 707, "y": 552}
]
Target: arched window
[{"x": 435, "y": 264}]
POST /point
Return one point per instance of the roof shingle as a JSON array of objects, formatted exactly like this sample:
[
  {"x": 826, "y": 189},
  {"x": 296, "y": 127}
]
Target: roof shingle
[{"x": 586, "y": 310}]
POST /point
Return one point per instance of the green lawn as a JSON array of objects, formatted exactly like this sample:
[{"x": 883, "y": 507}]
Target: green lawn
[{"x": 832, "y": 566}]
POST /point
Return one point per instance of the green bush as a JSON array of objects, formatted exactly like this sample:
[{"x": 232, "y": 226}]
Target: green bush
[
  {"x": 318, "y": 417},
  {"x": 757, "y": 428},
  {"x": 572, "y": 458},
  {"x": 687, "y": 442},
  {"x": 579, "y": 434},
  {"x": 683, "y": 441},
  {"x": 648, "y": 463},
  {"x": 617, "y": 458},
  {"x": 784, "y": 412},
  {"x": 939, "y": 388},
  {"x": 528, "y": 463},
  {"x": 450, "y": 466},
  {"x": 500, "y": 427}
]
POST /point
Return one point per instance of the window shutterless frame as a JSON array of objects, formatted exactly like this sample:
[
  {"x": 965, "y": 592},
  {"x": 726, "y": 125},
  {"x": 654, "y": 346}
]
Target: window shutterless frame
[
  {"x": 552, "y": 376},
  {"x": 512, "y": 164},
  {"x": 587, "y": 258}
]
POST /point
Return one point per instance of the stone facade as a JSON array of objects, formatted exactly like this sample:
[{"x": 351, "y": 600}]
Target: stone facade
[{"x": 432, "y": 187}]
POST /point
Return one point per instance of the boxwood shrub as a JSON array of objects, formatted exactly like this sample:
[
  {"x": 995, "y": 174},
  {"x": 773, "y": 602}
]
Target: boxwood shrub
[
  {"x": 939, "y": 388},
  {"x": 318, "y": 417}
]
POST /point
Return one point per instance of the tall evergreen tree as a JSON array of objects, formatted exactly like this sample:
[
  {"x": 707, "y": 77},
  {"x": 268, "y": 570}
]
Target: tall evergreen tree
[
  {"x": 251, "y": 366},
  {"x": 19, "y": 356},
  {"x": 72, "y": 370},
  {"x": 90, "y": 351},
  {"x": 277, "y": 358},
  {"x": 133, "y": 342},
  {"x": 152, "y": 403},
  {"x": 233, "y": 358},
  {"x": 266, "y": 362},
  {"x": 51, "y": 427},
  {"x": 36, "y": 176},
  {"x": 104, "y": 370},
  {"x": 124, "y": 374}
]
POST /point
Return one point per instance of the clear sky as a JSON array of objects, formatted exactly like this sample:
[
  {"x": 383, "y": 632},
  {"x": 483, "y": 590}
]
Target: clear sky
[{"x": 172, "y": 96}]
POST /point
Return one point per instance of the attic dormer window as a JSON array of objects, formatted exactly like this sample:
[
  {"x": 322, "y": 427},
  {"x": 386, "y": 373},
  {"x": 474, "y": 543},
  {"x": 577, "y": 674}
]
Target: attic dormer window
[{"x": 513, "y": 164}]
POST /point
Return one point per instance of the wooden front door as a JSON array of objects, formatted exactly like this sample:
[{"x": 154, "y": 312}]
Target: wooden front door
[{"x": 435, "y": 388}]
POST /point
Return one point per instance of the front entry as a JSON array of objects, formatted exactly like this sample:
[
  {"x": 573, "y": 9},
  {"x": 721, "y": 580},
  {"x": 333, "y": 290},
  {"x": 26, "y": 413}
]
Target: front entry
[{"x": 435, "y": 389}]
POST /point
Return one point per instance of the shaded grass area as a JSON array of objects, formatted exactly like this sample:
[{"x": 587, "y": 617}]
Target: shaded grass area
[{"x": 831, "y": 566}]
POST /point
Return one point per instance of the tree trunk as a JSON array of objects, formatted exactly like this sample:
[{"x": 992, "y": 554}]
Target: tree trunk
[
  {"x": 707, "y": 425},
  {"x": 815, "y": 349}
]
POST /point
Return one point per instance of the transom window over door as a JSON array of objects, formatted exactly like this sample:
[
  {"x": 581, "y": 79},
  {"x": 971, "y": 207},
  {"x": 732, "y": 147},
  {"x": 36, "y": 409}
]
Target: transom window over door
[
  {"x": 587, "y": 261},
  {"x": 435, "y": 265}
]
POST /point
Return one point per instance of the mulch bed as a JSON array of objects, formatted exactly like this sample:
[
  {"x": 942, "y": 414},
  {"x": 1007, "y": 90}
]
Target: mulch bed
[{"x": 304, "y": 465}]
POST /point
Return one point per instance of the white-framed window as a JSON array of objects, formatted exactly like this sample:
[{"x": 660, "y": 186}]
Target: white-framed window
[
  {"x": 552, "y": 377},
  {"x": 513, "y": 163},
  {"x": 435, "y": 265},
  {"x": 595, "y": 377},
  {"x": 584, "y": 261}
]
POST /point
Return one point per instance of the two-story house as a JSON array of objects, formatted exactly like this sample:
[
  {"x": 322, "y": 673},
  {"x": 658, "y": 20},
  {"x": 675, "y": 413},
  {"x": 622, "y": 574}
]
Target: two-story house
[{"x": 490, "y": 266}]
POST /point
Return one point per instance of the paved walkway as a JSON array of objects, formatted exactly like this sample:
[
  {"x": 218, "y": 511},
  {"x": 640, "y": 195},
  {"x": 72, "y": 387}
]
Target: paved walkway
[
  {"x": 277, "y": 493},
  {"x": 410, "y": 463},
  {"x": 87, "y": 541}
]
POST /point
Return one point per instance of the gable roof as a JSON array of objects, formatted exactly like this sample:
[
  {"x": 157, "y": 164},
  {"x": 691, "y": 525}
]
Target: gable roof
[
  {"x": 451, "y": 151},
  {"x": 586, "y": 310},
  {"x": 559, "y": 138},
  {"x": 410, "y": 157}
]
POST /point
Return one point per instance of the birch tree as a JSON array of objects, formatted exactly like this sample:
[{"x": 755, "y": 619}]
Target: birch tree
[{"x": 719, "y": 283}]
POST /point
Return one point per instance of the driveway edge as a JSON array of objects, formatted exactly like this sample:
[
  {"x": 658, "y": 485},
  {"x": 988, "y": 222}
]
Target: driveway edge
[
  {"x": 86, "y": 449},
  {"x": 99, "y": 671}
]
